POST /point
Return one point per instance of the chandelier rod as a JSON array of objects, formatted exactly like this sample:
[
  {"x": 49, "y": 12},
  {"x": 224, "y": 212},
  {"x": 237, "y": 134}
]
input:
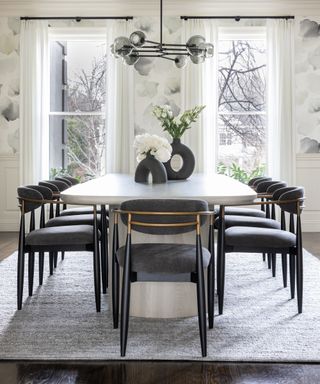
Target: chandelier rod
[{"x": 160, "y": 24}]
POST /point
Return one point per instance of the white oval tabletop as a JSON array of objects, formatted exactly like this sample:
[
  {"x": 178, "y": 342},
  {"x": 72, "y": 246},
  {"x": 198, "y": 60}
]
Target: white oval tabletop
[{"x": 114, "y": 188}]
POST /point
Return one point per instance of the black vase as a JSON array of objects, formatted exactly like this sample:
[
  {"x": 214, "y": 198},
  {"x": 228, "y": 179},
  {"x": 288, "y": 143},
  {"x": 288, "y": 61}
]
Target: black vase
[
  {"x": 187, "y": 158},
  {"x": 150, "y": 165}
]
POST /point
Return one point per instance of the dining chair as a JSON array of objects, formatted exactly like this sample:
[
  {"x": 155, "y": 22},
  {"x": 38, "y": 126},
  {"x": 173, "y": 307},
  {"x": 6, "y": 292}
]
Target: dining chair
[
  {"x": 52, "y": 239},
  {"x": 78, "y": 217},
  {"x": 264, "y": 240},
  {"x": 162, "y": 217}
]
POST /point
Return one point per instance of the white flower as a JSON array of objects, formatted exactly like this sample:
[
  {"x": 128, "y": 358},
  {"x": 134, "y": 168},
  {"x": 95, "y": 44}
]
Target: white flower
[{"x": 157, "y": 146}]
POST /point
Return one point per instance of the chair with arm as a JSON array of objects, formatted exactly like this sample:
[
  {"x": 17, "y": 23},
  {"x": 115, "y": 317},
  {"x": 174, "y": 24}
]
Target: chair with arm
[
  {"x": 53, "y": 239},
  {"x": 162, "y": 217},
  {"x": 267, "y": 240}
]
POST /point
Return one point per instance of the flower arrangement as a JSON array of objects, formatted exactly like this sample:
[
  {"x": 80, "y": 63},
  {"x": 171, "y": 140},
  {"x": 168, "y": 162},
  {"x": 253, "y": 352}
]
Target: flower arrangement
[
  {"x": 176, "y": 126},
  {"x": 154, "y": 145}
]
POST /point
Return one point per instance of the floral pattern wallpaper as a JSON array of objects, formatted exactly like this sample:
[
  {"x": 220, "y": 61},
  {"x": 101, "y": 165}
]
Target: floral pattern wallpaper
[
  {"x": 157, "y": 81},
  {"x": 307, "y": 80},
  {"x": 9, "y": 85}
]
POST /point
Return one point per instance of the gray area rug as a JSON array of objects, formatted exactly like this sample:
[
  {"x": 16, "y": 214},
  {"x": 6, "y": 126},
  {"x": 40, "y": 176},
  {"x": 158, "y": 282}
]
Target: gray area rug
[{"x": 259, "y": 323}]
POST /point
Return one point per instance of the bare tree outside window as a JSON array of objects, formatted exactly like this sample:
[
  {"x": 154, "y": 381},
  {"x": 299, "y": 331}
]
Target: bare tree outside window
[
  {"x": 77, "y": 107},
  {"x": 242, "y": 104}
]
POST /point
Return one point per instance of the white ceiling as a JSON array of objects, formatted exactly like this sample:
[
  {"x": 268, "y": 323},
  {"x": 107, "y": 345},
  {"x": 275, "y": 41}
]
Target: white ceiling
[{"x": 151, "y": 7}]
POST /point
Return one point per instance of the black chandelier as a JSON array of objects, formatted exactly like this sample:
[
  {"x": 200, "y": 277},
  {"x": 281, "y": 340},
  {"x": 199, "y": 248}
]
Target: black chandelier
[{"x": 136, "y": 46}]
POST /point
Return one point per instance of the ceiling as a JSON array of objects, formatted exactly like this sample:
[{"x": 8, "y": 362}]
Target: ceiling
[{"x": 151, "y": 7}]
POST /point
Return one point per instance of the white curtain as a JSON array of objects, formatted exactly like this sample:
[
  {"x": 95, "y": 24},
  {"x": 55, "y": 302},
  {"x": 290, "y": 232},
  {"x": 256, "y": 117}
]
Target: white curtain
[
  {"x": 281, "y": 133},
  {"x": 34, "y": 69},
  {"x": 119, "y": 105},
  {"x": 199, "y": 87}
]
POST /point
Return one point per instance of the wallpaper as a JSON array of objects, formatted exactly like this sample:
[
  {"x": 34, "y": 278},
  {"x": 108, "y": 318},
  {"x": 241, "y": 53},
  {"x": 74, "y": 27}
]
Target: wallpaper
[
  {"x": 307, "y": 80},
  {"x": 9, "y": 85},
  {"x": 157, "y": 81}
]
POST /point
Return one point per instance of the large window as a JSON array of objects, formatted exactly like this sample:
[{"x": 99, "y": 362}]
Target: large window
[
  {"x": 77, "y": 107},
  {"x": 242, "y": 128}
]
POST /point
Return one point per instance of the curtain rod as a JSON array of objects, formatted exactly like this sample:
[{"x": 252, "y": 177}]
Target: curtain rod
[
  {"x": 78, "y": 18},
  {"x": 236, "y": 18}
]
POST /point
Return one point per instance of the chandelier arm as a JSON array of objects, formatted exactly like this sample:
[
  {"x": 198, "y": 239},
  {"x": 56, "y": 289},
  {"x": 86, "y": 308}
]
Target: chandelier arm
[{"x": 173, "y": 45}]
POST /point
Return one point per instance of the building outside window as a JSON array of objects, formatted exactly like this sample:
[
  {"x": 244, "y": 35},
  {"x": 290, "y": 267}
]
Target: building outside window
[
  {"x": 242, "y": 122},
  {"x": 77, "y": 107}
]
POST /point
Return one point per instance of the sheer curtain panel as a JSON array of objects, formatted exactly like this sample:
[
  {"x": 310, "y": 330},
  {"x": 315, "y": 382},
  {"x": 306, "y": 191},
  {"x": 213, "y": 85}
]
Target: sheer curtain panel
[
  {"x": 281, "y": 137},
  {"x": 34, "y": 69},
  {"x": 119, "y": 105},
  {"x": 199, "y": 87}
]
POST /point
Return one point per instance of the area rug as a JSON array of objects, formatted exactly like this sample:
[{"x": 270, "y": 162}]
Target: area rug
[{"x": 259, "y": 323}]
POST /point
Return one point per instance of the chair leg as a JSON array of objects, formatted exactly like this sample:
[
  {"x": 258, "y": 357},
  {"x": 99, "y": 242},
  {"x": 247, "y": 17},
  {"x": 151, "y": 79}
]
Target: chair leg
[
  {"x": 299, "y": 263},
  {"x": 269, "y": 260},
  {"x": 51, "y": 263},
  {"x": 62, "y": 256},
  {"x": 97, "y": 276},
  {"x": 263, "y": 257},
  {"x": 55, "y": 259},
  {"x": 201, "y": 299},
  {"x": 104, "y": 249},
  {"x": 221, "y": 267},
  {"x": 284, "y": 269},
  {"x": 273, "y": 264},
  {"x": 125, "y": 298},
  {"x": 30, "y": 272},
  {"x": 115, "y": 277},
  {"x": 41, "y": 265},
  {"x": 292, "y": 274},
  {"x": 20, "y": 276},
  {"x": 210, "y": 283}
]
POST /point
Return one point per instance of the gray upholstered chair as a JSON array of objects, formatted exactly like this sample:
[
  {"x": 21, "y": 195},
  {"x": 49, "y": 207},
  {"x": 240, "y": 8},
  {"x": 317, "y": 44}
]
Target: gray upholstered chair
[
  {"x": 268, "y": 240},
  {"x": 52, "y": 239},
  {"x": 163, "y": 217},
  {"x": 80, "y": 216}
]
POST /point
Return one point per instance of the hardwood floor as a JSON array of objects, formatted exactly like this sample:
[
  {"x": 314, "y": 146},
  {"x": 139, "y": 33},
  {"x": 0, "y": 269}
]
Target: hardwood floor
[{"x": 157, "y": 372}]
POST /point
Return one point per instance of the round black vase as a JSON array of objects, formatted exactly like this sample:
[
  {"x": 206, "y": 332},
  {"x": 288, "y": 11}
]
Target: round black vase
[
  {"x": 153, "y": 166},
  {"x": 187, "y": 158}
]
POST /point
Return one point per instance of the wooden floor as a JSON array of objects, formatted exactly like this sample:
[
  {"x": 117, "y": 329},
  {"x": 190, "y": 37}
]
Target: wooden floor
[{"x": 156, "y": 372}]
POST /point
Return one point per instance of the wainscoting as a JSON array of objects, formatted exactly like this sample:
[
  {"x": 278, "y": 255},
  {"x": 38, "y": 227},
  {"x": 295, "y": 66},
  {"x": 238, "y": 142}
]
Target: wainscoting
[
  {"x": 9, "y": 180},
  {"x": 308, "y": 175}
]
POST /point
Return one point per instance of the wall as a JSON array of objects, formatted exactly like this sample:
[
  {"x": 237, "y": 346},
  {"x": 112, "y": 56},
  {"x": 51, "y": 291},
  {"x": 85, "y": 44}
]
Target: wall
[{"x": 159, "y": 82}]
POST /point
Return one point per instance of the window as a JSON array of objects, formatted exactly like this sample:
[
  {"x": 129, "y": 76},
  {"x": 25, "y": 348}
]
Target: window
[
  {"x": 242, "y": 126},
  {"x": 77, "y": 106}
]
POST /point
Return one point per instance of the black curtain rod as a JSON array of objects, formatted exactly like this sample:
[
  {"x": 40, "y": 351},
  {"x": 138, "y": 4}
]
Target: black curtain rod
[
  {"x": 79, "y": 18},
  {"x": 236, "y": 18}
]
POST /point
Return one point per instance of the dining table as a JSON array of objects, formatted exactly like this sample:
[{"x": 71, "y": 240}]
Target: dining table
[{"x": 162, "y": 298}]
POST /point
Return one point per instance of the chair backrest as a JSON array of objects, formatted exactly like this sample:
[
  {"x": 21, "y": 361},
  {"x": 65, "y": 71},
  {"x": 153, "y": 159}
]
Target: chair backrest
[
  {"x": 272, "y": 188},
  {"x": 164, "y": 205},
  {"x": 49, "y": 185},
  {"x": 61, "y": 185},
  {"x": 72, "y": 180},
  {"x": 254, "y": 179},
  {"x": 263, "y": 186},
  {"x": 60, "y": 178},
  {"x": 25, "y": 194},
  {"x": 258, "y": 181},
  {"x": 297, "y": 196},
  {"x": 45, "y": 191},
  {"x": 280, "y": 191}
]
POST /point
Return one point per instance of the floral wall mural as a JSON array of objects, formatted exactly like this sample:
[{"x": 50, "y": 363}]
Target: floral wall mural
[
  {"x": 9, "y": 85},
  {"x": 307, "y": 81}
]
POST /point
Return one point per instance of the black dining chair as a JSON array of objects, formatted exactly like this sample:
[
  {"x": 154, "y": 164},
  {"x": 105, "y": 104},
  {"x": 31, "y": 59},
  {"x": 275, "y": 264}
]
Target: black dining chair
[
  {"x": 264, "y": 240},
  {"x": 52, "y": 239},
  {"x": 162, "y": 217}
]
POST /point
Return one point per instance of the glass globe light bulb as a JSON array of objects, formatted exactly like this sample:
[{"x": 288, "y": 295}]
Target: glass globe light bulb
[
  {"x": 122, "y": 46},
  {"x": 138, "y": 38},
  {"x": 180, "y": 61},
  {"x": 197, "y": 59},
  {"x": 132, "y": 58},
  {"x": 193, "y": 45},
  {"x": 208, "y": 49}
]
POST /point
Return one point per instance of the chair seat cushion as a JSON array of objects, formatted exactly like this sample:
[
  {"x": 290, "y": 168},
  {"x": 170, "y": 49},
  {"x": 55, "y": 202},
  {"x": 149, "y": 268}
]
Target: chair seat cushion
[
  {"x": 72, "y": 220},
  {"x": 243, "y": 212},
  {"x": 79, "y": 211},
  {"x": 250, "y": 237},
  {"x": 163, "y": 258},
  {"x": 73, "y": 234},
  {"x": 248, "y": 221}
]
